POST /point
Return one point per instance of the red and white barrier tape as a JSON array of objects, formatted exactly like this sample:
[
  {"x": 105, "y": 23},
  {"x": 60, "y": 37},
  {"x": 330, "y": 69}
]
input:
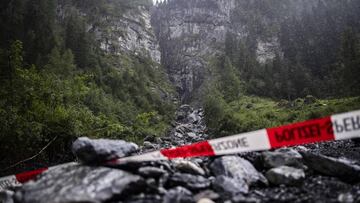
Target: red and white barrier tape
[
  {"x": 17, "y": 180},
  {"x": 336, "y": 127}
]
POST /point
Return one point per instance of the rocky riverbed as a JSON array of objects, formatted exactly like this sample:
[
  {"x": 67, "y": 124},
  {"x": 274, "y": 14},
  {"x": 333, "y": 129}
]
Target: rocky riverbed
[{"x": 326, "y": 172}]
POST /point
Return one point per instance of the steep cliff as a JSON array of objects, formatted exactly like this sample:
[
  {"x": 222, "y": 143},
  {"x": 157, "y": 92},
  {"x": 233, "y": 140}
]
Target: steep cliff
[
  {"x": 118, "y": 26},
  {"x": 191, "y": 32}
]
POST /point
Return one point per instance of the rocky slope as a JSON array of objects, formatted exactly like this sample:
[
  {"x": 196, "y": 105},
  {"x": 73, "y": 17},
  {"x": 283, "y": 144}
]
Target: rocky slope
[{"x": 327, "y": 172}]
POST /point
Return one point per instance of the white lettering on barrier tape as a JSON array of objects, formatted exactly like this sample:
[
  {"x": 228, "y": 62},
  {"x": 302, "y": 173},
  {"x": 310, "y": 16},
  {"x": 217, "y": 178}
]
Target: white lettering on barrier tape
[
  {"x": 253, "y": 141},
  {"x": 346, "y": 126},
  {"x": 8, "y": 181}
]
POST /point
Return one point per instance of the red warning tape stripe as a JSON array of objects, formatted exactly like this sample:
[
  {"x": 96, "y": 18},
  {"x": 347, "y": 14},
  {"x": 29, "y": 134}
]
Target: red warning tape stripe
[
  {"x": 18, "y": 179},
  {"x": 301, "y": 133},
  {"x": 336, "y": 127}
]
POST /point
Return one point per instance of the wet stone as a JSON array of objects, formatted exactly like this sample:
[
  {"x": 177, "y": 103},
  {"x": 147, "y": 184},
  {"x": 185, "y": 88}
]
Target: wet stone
[
  {"x": 243, "y": 199},
  {"x": 346, "y": 198},
  {"x": 282, "y": 157},
  {"x": 143, "y": 198},
  {"x": 239, "y": 169},
  {"x": 192, "y": 182},
  {"x": 338, "y": 167},
  {"x": 151, "y": 171},
  {"x": 230, "y": 186},
  {"x": 6, "y": 196},
  {"x": 205, "y": 200},
  {"x": 178, "y": 195},
  {"x": 76, "y": 183},
  {"x": 188, "y": 167},
  {"x": 285, "y": 175},
  {"x": 207, "y": 194},
  {"x": 149, "y": 145},
  {"x": 100, "y": 150}
]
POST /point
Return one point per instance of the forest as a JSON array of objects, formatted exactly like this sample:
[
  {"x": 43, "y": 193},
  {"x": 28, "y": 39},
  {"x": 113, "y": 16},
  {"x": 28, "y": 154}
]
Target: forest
[{"x": 57, "y": 84}]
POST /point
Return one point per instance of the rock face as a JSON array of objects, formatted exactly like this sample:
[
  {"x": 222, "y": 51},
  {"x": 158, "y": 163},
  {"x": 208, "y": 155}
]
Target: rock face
[
  {"x": 99, "y": 151},
  {"x": 127, "y": 30},
  {"x": 192, "y": 32},
  {"x": 188, "y": 32},
  {"x": 78, "y": 183},
  {"x": 139, "y": 37}
]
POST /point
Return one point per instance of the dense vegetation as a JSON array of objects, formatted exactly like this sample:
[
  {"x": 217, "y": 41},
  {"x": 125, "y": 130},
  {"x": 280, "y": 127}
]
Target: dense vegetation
[
  {"x": 57, "y": 83},
  {"x": 320, "y": 59}
]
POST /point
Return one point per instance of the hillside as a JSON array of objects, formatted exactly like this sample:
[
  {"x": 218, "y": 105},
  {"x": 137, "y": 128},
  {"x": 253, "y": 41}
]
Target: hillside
[
  {"x": 89, "y": 81},
  {"x": 78, "y": 68}
]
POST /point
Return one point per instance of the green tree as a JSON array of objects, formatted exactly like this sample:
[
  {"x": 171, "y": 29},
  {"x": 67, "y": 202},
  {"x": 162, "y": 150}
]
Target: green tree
[{"x": 39, "y": 23}]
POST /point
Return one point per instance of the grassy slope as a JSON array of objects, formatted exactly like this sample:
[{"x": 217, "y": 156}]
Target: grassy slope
[{"x": 253, "y": 113}]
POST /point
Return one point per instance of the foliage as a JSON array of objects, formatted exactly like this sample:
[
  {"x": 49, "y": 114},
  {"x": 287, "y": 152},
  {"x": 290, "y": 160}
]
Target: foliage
[
  {"x": 57, "y": 82},
  {"x": 252, "y": 113}
]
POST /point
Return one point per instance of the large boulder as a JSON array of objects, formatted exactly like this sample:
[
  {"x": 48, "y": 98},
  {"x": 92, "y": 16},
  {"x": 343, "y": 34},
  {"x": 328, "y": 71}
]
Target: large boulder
[
  {"x": 78, "y": 184},
  {"x": 339, "y": 167},
  {"x": 285, "y": 175},
  {"x": 101, "y": 150},
  {"x": 282, "y": 157},
  {"x": 237, "y": 168},
  {"x": 6, "y": 196}
]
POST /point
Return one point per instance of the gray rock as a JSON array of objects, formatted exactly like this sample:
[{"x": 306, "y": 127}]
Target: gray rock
[
  {"x": 6, "y": 196},
  {"x": 192, "y": 182},
  {"x": 151, "y": 172},
  {"x": 191, "y": 135},
  {"x": 144, "y": 198},
  {"x": 76, "y": 183},
  {"x": 148, "y": 145},
  {"x": 339, "y": 167},
  {"x": 346, "y": 198},
  {"x": 193, "y": 118},
  {"x": 282, "y": 157},
  {"x": 242, "y": 199},
  {"x": 237, "y": 168},
  {"x": 100, "y": 150},
  {"x": 188, "y": 167},
  {"x": 208, "y": 194},
  {"x": 285, "y": 175},
  {"x": 205, "y": 200},
  {"x": 183, "y": 128},
  {"x": 178, "y": 195},
  {"x": 186, "y": 108},
  {"x": 179, "y": 135},
  {"x": 357, "y": 141},
  {"x": 230, "y": 186}
]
